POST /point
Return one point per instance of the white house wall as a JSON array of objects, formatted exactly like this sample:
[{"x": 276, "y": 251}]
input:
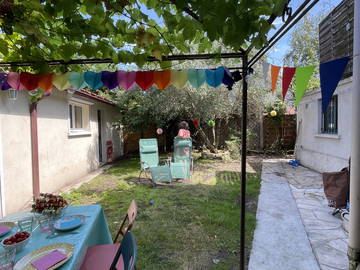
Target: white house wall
[
  {"x": 62, "y": 158},
  {"x": 323, "y": 152}
]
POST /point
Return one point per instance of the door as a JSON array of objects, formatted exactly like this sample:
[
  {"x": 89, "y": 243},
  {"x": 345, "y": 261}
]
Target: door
[{"x": 100, "y": 136}]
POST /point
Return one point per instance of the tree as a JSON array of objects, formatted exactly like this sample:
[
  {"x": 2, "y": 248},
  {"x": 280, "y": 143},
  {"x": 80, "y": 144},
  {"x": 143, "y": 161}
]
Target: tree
[{"x": 38, "y": 30}]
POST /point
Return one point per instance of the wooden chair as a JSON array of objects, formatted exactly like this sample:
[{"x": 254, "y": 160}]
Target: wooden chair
[
  {"x": 112, "y": 256},
  {"x": 129, "y": 219}
]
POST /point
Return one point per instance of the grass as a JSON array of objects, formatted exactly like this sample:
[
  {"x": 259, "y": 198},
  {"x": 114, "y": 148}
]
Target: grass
[{"x": 189, "y": 225}]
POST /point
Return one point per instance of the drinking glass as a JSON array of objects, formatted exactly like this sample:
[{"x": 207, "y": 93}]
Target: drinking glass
[
  {"x": 7, "y": 259},
  {"x": 26, "y": 224}
]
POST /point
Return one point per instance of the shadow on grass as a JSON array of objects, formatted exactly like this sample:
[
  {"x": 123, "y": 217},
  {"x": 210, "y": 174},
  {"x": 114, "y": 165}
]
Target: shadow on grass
[{"x": 187, "y": 226}]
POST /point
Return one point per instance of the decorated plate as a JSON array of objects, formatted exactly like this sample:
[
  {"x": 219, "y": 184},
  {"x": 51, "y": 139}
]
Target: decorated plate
[
  {"x": 69, "y": 222},
  {"x": 6, "y": 227},
  {"x": 25, "y": 262}
]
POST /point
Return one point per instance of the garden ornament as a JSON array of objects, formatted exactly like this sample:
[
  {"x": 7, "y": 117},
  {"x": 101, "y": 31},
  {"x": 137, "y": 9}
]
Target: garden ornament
[
  {"x": 126, "y": 79},
  {"x": 179, "y": 78},
  {"x": 3, "y": 82},
  {"x": 29, "y": 81},
  {"x": 196, "y": 77},
  {"x": 145, "y": 79},
  {"x": 13, "y": 79},
  {"x": 214, "y": 77},
  {"x": 110, "y": 79},
  {"x": 273, "y": 113},
  {"x": 159, "y": 131},
  {"x": 45, "y": 82},
  {"x": 196, "y": 122},
  {"x": 162, "y": 79},
  {"x": 211, "y": 123},
  {"x": 61, "y": 81},
  {"x": 93, "y": 80},
  {"x": 77, "y": 80}
]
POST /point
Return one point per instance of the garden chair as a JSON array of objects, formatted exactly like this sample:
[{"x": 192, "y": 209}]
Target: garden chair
[
  {"x": 129, "y": 219},
  {"x": 149, "y": 154},
  {"x": 183, "y": 162},
  {"x": 112, "y": 256}
]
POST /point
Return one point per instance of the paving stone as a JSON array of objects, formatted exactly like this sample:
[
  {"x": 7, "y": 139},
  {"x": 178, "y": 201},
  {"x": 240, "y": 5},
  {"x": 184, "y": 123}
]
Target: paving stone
[
  {"x": 332, "y": 257},
  {"x": 326, "y": 267}
]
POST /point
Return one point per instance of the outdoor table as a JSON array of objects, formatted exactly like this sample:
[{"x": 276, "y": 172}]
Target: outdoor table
[{"x": 94, "y": 231}]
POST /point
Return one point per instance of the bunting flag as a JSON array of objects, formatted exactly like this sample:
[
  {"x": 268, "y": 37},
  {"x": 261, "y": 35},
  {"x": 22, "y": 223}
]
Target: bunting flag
[
  {"x": 228, "y": 80},
  {"x": 274, "y": 76},
  {"x": 179, "y": 78},
  {"x": 265, "y": 67},
  {"x": 29, "y": 81},
  {"x": 330, "y": 75},
  {"x": 4, "y": 85},
  {"x": 196, "y": 77},
  {"x": 93, "y": 79},
  {"x": 61, "y": 81},
  {"x": 110, "y": 79},
  {"x": 214, "y": 77},
  {"x": 127, "y": 79},
  {"x": 162, "y": 79},
  {"x": 45, "y": 82},
  {"x": 145, "y": 79},
  {"x": 288, "y": 74},
  {"x": 302, "y": 77},
  {"x": 13, "y": 80},
  {"x": 77, "y": 80}
]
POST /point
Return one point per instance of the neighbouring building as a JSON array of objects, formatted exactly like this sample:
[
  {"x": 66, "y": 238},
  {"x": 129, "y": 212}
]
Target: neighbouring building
[
  {"x": 324, "y": 140},
  {"x": 76, "y": 135}
]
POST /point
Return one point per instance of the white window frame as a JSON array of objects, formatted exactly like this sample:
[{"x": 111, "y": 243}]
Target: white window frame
[{"x": 85, "y": 115}]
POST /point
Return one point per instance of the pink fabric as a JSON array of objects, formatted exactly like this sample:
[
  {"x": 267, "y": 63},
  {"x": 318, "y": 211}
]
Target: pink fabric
[
  {"x": 4, "y": 229},
  {"x": 49, "y": 260},
  {"x": 184, "y": 133},
  {"x": 101, "y": 257}
]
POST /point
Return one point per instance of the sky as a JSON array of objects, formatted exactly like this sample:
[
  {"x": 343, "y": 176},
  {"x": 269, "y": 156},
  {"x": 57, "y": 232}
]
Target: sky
[{"x": 276, "y": 54}]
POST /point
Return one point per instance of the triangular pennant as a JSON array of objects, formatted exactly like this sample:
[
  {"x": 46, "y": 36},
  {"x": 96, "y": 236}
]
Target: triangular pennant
[
  {"x": 45, "y": 82},
  {"x": 330, "y": 75},
  {"x": 196, "y": 77},
  {"x": 288, "y": 74},
  {"x": 145, "y": 79},
  {"x": 126, "y": 79},
  {"x": 214, "y": 77},
  {"x": 274, "y": 76},
  {"x": 265, "y": 67},
  {"x": 29, "y": 81},
  {"x": 228, "y": 80},
  {"x": 77, "y": 80},
  {"x": 109, "y": 79},
  {"x": 179, "y": 78},
  {"x": 302, "y": 77},
  {"x": 93, "y": 79},
  {"x": 61, "y": 81},
  {"x": 162, "y": 79},
  {"x": 3, "y": 78},
  {"x": 13, "y": 79}
]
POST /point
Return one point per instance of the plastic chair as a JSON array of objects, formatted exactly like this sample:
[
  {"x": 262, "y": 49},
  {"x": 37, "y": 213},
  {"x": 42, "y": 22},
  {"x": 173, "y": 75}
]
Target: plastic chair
[
  {"x": 113, "y": 256},
  {"x": 183, "y": 162},
  {"x": 129, "y": 218}
]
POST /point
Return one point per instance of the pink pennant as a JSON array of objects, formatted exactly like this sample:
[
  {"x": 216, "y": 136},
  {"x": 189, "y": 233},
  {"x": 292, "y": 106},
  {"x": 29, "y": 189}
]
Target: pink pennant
[
  {"x": 126, "y": 79},
  {"x": 13, "y": 79}
]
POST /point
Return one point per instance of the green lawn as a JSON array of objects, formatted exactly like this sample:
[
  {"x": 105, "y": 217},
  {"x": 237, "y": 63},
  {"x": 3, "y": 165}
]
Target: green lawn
[{"x": 189, "y": 225}]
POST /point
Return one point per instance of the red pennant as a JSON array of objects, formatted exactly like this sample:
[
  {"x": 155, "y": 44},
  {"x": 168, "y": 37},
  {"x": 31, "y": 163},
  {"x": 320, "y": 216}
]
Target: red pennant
[
  {"x": 144, "y": 79},
  {"x": 162, "y": 79},
  {"x": 29, "y": 81},
  {"x": 288, "y": 74}
]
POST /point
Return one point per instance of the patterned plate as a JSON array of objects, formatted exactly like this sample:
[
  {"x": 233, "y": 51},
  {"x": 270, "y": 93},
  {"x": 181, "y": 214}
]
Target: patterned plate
[
  {"x": 11, "y": 225},
  {"x": 25, "y": 262}
]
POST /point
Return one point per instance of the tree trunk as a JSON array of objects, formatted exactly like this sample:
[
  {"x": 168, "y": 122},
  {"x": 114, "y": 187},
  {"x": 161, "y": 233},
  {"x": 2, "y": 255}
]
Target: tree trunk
[
  {"x": 218, "y": 133},
  {"x": 206, "y": 139}
]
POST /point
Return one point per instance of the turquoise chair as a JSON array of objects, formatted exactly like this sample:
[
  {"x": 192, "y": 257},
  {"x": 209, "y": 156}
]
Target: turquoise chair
[
  {"x": 183, "y": 162},
  {"x": 150, "y": 161}
]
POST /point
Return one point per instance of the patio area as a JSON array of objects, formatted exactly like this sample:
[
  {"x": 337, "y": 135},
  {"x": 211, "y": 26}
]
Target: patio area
[{"x": 294, "y": 212}]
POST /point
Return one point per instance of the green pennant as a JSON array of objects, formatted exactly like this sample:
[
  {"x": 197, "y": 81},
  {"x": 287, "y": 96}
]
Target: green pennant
[{"x": 302, "y": 77}]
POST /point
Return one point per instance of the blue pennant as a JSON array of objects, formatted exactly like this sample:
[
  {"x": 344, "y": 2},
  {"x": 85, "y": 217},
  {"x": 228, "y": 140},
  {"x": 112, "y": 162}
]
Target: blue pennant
[{"x": 330, "y": 75}]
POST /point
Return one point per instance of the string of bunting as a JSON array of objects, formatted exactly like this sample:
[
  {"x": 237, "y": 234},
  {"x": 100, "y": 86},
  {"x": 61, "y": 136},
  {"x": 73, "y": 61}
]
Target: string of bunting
[
  {"x": 125, "y": 79},
  {"x": 330, "y": 74}
]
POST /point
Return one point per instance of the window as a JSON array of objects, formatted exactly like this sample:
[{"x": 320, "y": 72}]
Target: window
[
  {"x": 329, "y": 119},
  {"x": 79, "y": 118}
]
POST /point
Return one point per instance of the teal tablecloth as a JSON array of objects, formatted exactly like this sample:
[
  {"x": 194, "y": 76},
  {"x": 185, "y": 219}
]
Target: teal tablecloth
[{"x": 94, "y": 231}]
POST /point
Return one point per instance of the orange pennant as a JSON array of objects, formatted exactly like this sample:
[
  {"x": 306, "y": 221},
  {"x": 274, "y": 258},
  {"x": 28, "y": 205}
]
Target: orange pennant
[
  {"x": 162, "y": 79},
  {"x": 45, "y": 82},
  {"x": 274, "y": 76}
]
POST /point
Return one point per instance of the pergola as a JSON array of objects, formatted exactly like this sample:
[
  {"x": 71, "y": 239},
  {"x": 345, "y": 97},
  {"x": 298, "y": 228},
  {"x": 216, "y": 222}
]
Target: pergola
[{"x": 247, "y": 63}]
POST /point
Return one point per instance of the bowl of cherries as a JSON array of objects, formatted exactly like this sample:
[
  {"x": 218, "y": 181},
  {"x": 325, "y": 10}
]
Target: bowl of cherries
[{"x": 17, "y": 241}]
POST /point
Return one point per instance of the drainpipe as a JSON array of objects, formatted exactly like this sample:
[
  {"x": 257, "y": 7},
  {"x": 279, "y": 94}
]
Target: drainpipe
[
  {"x": 354, "y": 230},
  {"x": 34, "y": 150}
]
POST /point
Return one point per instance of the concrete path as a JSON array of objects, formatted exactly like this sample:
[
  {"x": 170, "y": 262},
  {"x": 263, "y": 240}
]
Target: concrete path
[{"x": 295, "y": 228}]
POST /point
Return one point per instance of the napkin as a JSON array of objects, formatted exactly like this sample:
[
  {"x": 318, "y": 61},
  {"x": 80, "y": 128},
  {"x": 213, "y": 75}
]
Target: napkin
[
  {"x": 4, "y": 229},
  {"x": 64, "y": 224},
  {"x": 49, "y": 260}
]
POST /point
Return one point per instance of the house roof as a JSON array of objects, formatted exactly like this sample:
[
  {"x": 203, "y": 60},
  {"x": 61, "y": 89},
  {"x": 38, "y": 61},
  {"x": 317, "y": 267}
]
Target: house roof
[{"x": 91, "y": 95}]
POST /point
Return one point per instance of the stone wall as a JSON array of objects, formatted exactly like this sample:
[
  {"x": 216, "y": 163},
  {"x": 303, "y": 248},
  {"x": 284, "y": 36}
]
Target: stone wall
[{"x": 279, "y": 132}]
